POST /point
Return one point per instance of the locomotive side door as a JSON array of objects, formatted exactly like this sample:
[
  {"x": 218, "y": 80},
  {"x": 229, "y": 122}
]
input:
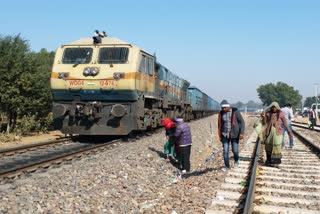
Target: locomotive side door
[{"x": 157, "y": 81}]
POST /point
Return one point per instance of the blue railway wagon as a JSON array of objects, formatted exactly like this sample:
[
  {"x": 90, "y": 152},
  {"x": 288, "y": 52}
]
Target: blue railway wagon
[
  {"x": 202, "y": 104},
  {"x": 173, "y": 92},
  {"x": 213, "y": 105},
  {"x": 197, "y": 99}
]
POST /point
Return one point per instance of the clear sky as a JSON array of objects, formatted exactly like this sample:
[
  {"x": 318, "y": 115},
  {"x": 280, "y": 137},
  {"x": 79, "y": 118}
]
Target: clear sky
[{"x": 227, "y": 48}]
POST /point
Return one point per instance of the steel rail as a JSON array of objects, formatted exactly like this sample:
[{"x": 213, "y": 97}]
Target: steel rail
[
  {"x": 249, "y": 205},
  {"x": 305, "y": 126},
  {"x": 248, "y": 208},
  {"x": 32, "y": 145},
  {"x": 55, "y": 160}
]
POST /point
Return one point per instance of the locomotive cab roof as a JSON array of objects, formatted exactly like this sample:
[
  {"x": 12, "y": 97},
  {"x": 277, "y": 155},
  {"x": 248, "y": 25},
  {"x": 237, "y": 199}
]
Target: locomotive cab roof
[{"x": 104, "y": 41}]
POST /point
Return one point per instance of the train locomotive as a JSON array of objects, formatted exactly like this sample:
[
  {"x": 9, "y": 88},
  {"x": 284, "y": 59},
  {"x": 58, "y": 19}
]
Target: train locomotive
[{"x": 105, "y": 86}]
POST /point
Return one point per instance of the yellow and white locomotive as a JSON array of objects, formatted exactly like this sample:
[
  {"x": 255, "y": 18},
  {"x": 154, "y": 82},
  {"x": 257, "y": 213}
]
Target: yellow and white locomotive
[{"x": 105, "y": 86}]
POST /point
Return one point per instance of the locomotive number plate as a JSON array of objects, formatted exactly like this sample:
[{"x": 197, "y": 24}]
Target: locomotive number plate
[
  {"x": 76, "y": 83},
  {"x": 108, "y": 83}
]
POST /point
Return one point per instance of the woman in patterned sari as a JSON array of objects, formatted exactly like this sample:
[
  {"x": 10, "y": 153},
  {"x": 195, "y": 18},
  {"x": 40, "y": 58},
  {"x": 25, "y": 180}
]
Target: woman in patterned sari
[{"x": 273, "y": 117}]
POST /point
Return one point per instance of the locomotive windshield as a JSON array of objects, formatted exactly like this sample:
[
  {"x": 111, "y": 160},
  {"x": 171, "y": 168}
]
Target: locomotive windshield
[
  {"x": 77, "y": 55},
  {"x": 113, "y": 55}
]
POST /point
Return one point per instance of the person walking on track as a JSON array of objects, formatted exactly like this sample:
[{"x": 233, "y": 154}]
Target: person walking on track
[
  {"x": 273, "y": 118},
  {"x": 288, "y": 114},
  {"x": 313, "y": 117},
  {"x": 231, "y": 128}
]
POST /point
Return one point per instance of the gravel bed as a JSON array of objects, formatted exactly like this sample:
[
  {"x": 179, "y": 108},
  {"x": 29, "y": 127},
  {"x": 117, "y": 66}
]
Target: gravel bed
[{"x": 132, "y": 177}]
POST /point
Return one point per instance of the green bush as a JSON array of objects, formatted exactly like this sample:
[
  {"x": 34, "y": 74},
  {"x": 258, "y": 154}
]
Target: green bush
[
  {"x": 46, "y": 123},
  {"x": 26, "y": 125}
]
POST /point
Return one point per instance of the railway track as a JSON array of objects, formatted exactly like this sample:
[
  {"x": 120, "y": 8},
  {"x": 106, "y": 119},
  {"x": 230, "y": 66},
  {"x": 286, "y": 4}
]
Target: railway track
[
  {"x": 28, "y": 158},
  {"x": 293, "y": 187},
  {"x": 232, "y": 195},
  {"x": 306, "y": 134},
  {"x": 24, "y": 159},
  {"x": 31, "y": 147},
  {"x": 305, "y": 126}
]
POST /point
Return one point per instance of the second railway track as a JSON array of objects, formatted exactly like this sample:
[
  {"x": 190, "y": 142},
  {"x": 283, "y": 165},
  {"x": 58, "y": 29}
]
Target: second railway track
[
  {"x": 18, "y": 160},
  {"x": 292, "y": 187}
]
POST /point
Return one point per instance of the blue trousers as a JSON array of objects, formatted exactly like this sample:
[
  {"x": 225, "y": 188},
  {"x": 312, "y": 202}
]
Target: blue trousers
[
  {"x": 234, "y": 144},
  {"x": 291, "y": 144}
]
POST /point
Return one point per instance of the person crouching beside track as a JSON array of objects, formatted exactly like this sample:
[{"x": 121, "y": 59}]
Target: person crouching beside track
[
  {"x": 273, "y": 118},
  {"x": 231, "y": 128},
  {"x": 169, "y": 146},
  {"x": 184, "y": 141}
]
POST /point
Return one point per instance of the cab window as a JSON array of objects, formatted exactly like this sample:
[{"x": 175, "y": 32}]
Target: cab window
[
  {"x": 77, "y": 55},
  {"x": 113, "y": 55}
]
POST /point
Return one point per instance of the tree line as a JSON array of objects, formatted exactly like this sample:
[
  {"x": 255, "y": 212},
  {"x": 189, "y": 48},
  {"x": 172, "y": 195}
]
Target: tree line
[
  {"x": 283, "y": 94},
  {"x": 25, "y": 97}
]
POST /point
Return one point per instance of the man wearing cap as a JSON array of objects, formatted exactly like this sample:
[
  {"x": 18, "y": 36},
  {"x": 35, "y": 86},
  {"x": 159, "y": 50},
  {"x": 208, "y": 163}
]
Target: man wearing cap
[{"x": 230, "y": 130}]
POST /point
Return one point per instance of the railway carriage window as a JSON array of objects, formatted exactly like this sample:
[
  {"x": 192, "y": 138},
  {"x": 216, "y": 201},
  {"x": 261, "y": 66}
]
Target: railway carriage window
[
  {"x": 151, "y": 66},
  {"x": 172, "y": 79},
  {"x": 142, "y": 67},
  {"x": 165, "y": 74},
  {"x": 77, "y": 55},
  {"x": 113, "y": 55},
  {"x": 161, "y": 73},
  {"x": 146, "y": 65}
]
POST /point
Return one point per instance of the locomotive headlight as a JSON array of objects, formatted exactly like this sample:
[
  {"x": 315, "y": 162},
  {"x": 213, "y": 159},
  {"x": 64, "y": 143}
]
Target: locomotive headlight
[
  {"x": 118, "y": 75},
  {"x": 86, "y": 71},
  {"x": 118, "y": 110},
  {"x": 90, "y": 71},
  {"x": 94, "y": 71},
  {"x": 62, "y": 75}
]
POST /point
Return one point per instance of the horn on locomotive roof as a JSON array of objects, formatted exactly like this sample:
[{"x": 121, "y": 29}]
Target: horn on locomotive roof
[
  {"x": 97, "y": 36},
  {"x": 102, "y": 34}
]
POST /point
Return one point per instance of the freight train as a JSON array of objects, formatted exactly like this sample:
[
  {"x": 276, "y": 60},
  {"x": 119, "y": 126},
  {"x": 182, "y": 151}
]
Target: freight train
[{"x": 105, "y": 86}]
